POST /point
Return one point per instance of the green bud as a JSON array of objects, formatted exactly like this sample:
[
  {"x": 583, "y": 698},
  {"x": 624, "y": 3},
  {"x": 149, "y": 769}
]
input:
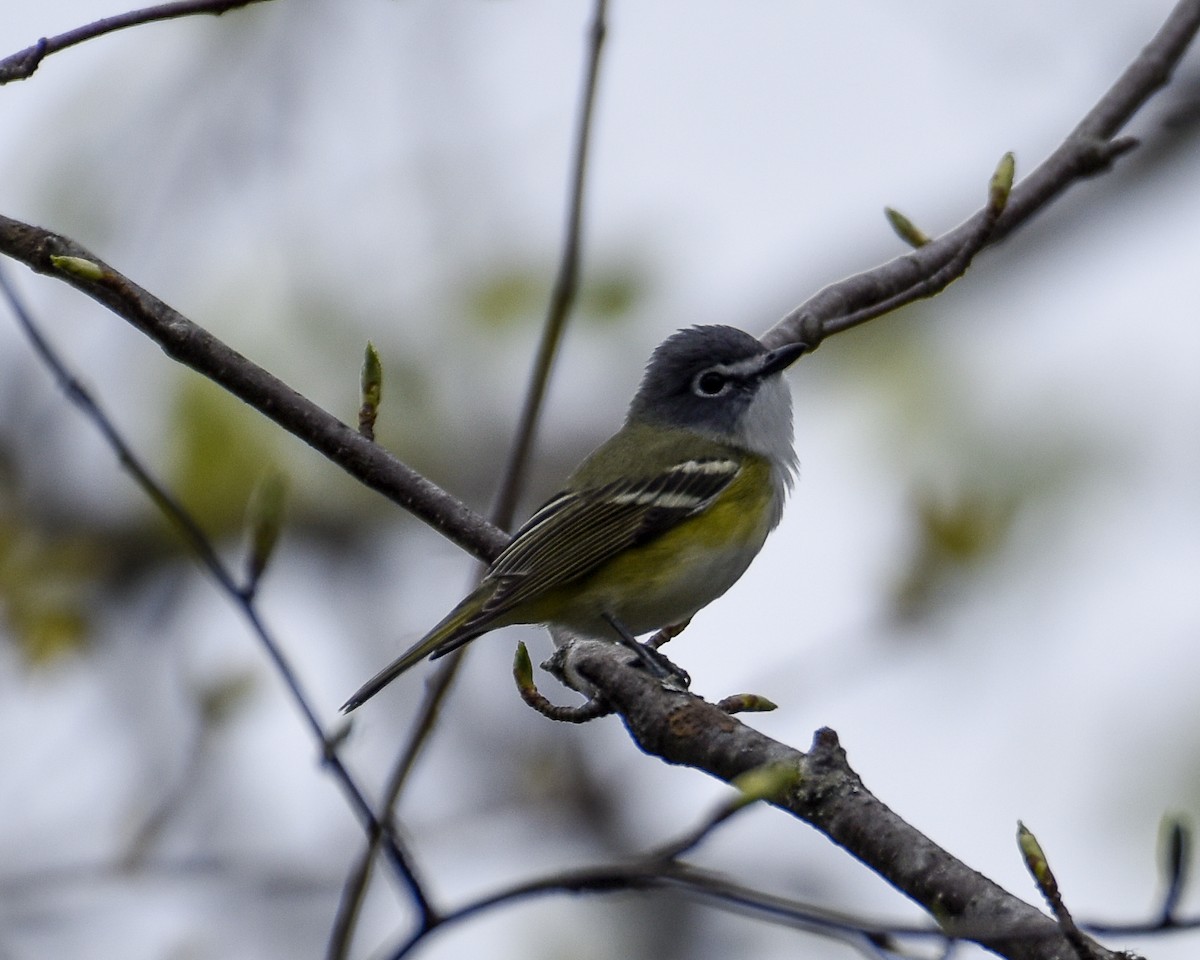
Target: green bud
[
  {"x": 371, "y": 389},
  {"x": 78, "y": 267},
  {"x": 523, "y": 668},
  {"x": 905, "y": 229},
  {"x": 1035, "y": 860},
  {"x": 1002, "y": 182}
]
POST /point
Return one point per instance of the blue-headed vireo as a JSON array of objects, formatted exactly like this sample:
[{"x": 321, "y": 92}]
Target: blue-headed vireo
[{"x": 661, "y": 519}]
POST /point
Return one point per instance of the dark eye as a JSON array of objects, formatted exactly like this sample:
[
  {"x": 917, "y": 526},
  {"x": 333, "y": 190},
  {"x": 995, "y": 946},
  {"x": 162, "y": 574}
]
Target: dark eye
[{"x": 710, "y": 383}]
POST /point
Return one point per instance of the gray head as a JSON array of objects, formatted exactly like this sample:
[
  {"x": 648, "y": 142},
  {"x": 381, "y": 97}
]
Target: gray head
[{"x": 721, "y": 382}]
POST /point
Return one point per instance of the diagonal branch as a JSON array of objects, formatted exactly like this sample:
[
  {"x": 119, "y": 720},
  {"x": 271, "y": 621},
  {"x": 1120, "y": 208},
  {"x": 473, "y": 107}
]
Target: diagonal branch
[
  {"x": 195, "y": 347},
  {"x": 681, "y": 728},
  {"x": 1088, "y": 150},
  {"x": 22, "y": 64},
  {"x": 566, "y": 284},
  {"x": 208, "y": 557}
]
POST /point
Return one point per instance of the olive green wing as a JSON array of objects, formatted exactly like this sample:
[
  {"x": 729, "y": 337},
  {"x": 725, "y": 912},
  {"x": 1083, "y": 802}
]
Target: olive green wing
[{"x": 578, "y": 530}]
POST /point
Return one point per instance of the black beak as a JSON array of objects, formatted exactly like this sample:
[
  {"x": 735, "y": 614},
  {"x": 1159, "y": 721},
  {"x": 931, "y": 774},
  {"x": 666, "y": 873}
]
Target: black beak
[{"x": 780, "y": 359}]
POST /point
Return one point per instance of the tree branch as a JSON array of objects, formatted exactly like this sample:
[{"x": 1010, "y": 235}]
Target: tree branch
[
  {"x": 562, "y": 299},
  {"x": 242, "y": 598},
  {"x": 648, "y": 874},
  {"x": 22, "y": 64},
  {"x": 1088, "y": 150},
  {"x": 566, "y": 282},
  {"x": 195, "y": 347},
  {"x": 681, "y": 728}
]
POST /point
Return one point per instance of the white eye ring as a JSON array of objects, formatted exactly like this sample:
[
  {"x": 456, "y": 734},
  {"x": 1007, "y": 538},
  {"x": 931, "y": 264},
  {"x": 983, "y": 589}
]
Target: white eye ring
[{"x": 710, "y": 383}]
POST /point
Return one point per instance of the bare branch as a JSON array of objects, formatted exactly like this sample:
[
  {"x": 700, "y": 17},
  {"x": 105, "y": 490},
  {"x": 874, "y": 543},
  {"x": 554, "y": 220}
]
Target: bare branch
[
  {"x": 1176, "y": 865},
  {"x": 566, "y": 283},
  {"x": 1088, "y": 150},
  {"x": 22, "y": 64},
  {"x": 211, "y": 561},
  {"x": 681, "y": 728},
  {"x": 562, "y": 298},
  {"x": 649, "y": 874},
  {"x": 195, "y": 347}
]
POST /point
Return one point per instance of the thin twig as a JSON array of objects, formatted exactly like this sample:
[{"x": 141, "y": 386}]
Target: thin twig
[
  {"x": 1176, "y": 865},
  {"x": 653, "y": 874},
  {"x": 1143, "y": 928},
  {"x": 22, "y": 64},
  {"x": 1088, "y": 150},
  {"x": 558, "y": 310},
  {"x": 566, "y": 284},
  {"x": 589, "y": 710},
  {"x": 202, "y": 548},
  {"x": 354, "y": 889}
]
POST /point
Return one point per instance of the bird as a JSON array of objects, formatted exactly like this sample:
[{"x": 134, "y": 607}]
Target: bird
[{"x": 657, "y": 522}]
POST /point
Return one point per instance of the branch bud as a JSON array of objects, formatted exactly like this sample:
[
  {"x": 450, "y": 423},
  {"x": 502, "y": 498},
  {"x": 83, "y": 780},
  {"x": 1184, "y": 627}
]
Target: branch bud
[{"x": 371, "y": 391}]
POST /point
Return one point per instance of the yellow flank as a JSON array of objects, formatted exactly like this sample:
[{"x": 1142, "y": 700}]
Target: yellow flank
[{"x": 667, "y": 579}]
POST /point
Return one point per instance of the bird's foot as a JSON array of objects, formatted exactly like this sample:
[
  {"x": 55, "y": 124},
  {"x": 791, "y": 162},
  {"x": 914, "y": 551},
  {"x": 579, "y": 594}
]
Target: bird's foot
[{"x": 654, "y": 660}]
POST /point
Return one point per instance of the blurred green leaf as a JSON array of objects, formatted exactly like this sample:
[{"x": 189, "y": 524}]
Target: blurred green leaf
[
  {"x": 612, "y": 295},
  {"x": 955, "y": 533},
  {"x": 47, "y": 633},
  {"x": 518, "y": 294},
  {"x": 967, "y": 529},
  {"x": 508, "y": 297},
  {"x": 219, "y": 448},
  {"x": 771, "y": 782},
  {"x": 46, "y": 584},
  {"x": 220, "y": 700}
]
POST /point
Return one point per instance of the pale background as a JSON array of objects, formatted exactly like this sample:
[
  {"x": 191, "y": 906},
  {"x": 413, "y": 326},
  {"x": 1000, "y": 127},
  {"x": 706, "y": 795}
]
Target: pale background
[{"x": 301, "y": 177}]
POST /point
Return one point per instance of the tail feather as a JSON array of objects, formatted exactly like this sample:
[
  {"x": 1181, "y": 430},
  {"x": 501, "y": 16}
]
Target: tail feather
[{"x": 455, "y": 630}]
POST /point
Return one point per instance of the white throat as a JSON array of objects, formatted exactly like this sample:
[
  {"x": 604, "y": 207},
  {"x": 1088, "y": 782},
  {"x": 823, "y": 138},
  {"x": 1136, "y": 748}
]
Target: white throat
[{"x": 766, "y": 426}]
